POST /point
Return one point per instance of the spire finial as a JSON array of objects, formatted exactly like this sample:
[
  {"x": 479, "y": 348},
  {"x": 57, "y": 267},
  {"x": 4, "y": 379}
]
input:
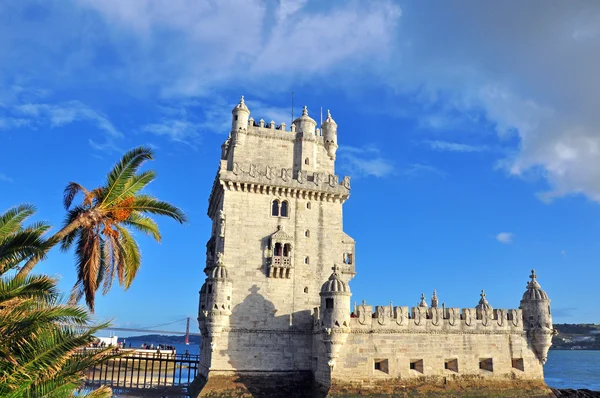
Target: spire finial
[
  {"x": 533, "y": 276},
  {"x": 336, "y": 268},
  {"x": 242, "y": 100},
  {"x": 482, "y": 294},
  {"x": 423, "y": 303},
  {"x": 328, "y": 114},
  {"x": 305, "y": 111}
]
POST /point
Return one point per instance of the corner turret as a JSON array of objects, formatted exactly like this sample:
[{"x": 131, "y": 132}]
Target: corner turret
[
  {"x": 215, "y": 299},
  {"x": 537, "y": 318},
  {"x": 305, "y": 125},
  {"x": 329, "y": 129},
  {"x": 239, "y": 118},
  {"x": 335, "y": 309}
]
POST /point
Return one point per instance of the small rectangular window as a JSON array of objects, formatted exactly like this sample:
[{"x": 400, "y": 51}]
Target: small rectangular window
[
  {"x": 486, "y": 364},
  {"x": 451, "y": 365},
  {"x": 381, "y": 365},
  {"x": 416, "y": 365},
  {"x": 517, "y": 363},
  {"x": 209, "y": 289},
  {"x": 329, "y": 303}
]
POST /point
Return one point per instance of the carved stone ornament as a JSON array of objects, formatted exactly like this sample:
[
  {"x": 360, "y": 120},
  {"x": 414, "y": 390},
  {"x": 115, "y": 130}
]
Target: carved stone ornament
[
  {"x": 452, "y": 315},
  {"x": 501, "y": 317},
  {"x": 468, "y": 316},
  {"x": 221, "y": 223},
  {"x": 380, "y": 315},
  {"x": 346, "y": 182},
  {"x": 515, "y": 317},
  {"x": 362, "y": 314},
  {"x": 332, "y": 180},
  {"x": 284, "y": 174},
  {"x": 236, "y": 168},
  {"x": 270, "y": 171},
  {"x": 400, "y": 315},
  {"x": 252, "y": 172},
  {"x": 435, "y": 317},
  {"x": 301, "y": 176},
  {"x": 318, "y": 178}
]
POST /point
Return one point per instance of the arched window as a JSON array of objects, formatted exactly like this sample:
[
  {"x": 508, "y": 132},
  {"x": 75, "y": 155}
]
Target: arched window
[
  {"x": 275, "y": 208},
  {"x": 306, "y": 161},
  {"x": 277, "y": 251},
  {"x": 308, "y": 205},
  {"x": 286, "y": 250},
  {"x": 284, "y": 209},
  {"x": 307, "y": 233}
]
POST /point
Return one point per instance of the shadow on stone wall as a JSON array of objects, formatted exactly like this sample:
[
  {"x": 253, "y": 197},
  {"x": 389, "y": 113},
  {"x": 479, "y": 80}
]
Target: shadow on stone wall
[{"x": 256, "y": 312}]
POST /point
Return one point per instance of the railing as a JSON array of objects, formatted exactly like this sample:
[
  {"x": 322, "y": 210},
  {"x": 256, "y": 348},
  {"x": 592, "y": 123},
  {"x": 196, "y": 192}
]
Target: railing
[{"x": 145, "y": 370}]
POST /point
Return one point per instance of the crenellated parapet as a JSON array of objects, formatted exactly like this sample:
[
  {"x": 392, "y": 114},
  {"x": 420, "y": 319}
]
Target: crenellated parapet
[
  {"x": 404, "y": 319},
  {"x": 250, "y": 177}
]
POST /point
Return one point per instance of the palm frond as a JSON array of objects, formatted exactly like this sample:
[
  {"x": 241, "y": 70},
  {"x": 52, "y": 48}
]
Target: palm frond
[
  {"x": 12, "y": 220},
  {"x": 132, "y": 186},
  {"x": 149, "y": 204},
  {"x": 70, "y": 192},
  {"x": 131, "y": 257},
  {"x": 143, "y": 224},
  {"x": 123, "y": 171}
]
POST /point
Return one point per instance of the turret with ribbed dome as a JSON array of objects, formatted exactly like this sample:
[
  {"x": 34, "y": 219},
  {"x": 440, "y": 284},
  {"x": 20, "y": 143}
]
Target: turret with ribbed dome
[
  {"x": 215, "y": 298},
  {"x": 329, "y": 129},
  {"x": 305, "y": 125},
  {"x": 537, "y": 318},
  {"x": 335, "y": 310},
  {"x": 240, "y": 114}
]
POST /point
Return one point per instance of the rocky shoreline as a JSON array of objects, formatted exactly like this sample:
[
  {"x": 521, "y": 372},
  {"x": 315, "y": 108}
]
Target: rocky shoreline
[{"x": 570, "y": 393}]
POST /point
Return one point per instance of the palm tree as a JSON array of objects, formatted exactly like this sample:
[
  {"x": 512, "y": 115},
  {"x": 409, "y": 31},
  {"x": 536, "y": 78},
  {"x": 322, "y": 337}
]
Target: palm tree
[
  {"x": 41, "y": 335},
  {"x": 99, "y": 226},
  {"x": 17, "y": 243}
]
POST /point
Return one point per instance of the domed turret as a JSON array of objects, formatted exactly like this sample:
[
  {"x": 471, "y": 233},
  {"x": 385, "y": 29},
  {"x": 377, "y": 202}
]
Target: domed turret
[
  {"x": 423, "y": 303},
  {"x": 329, "y": 128},
  {"x": 305, "y": 125},
  {"x": 240, "y": 114},
  {"x": 335, "y": 314},
  {"x": 215, "y": 298},
  {"x": 483, "y": 307},
  {"x": 537, "y": 318}
]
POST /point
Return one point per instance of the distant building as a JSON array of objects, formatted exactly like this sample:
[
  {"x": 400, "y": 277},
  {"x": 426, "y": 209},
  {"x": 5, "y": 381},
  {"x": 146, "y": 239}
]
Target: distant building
[{"x": 276, "y": 300}]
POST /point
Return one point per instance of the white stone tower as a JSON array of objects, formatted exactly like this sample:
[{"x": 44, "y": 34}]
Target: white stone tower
[{"x": 276, "y": 210}]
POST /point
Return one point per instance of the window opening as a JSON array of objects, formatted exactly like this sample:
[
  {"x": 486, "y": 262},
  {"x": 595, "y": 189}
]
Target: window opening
[
  {"x": 284, "y": 209},
  {"x": 275, "y": 208},
  {"x": 329, "y": 304},
  {"x": 209, "y": 289},
  {"x": 451, "y": 364},
  {"x": 306, "y": 260},
  {"x": 307, "y": 233},
  {"x": 486, "y": 364},
  {"x": 286, "y": 250},
  {"x": 277, "y": 250},
  {"x": 517, "y": 363},
  {"x": 416, "y": 365},
  {"x": 306, "y": 161},
  {"x": 308, "y": 205},
  {"x": 381, "y": 365},
  {"x": 306, "y": 289}
]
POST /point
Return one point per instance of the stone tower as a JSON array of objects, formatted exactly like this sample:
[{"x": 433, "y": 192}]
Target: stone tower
[
  {"x": 276, "y": 211},
  {"x": 537, "y": 318}
]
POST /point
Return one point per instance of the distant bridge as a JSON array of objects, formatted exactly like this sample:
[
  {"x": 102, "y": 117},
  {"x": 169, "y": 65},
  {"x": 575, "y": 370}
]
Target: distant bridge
[{"x": 151, "y": 329}]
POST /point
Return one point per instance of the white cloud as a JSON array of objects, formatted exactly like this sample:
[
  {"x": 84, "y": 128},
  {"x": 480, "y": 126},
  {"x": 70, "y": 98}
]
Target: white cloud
[
  {"x": 418, "y": 169},
  {"x": 5, "y": 178},
  {"x": 444, "y": 146},
  {"x": 365, "y": 161},
  {"x": 505, "y": 237}
]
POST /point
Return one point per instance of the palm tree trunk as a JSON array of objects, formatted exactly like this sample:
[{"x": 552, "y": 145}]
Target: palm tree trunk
[{"x": 54, "y": 239}]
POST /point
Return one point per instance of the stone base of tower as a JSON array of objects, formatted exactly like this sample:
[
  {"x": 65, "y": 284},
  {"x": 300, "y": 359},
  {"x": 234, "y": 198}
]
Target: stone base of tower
[
  {"x": 435, "y": 386},
  {"x": 258, "y": 385}
]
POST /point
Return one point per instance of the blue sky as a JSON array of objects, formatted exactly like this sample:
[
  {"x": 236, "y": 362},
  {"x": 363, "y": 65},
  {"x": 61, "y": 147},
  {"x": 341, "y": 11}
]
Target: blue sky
[{"x": 470, "y": 132}]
